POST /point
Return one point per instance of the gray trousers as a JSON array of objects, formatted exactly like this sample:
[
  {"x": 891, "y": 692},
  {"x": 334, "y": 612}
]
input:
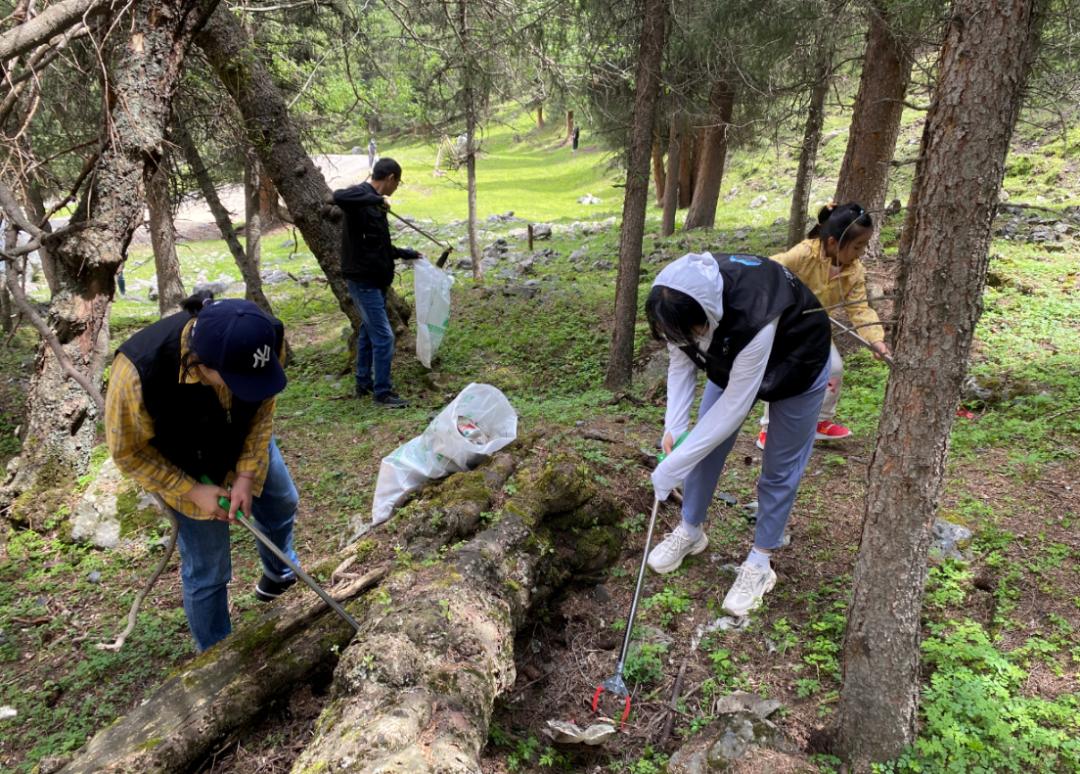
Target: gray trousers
[{"x": 791, "y": 439}]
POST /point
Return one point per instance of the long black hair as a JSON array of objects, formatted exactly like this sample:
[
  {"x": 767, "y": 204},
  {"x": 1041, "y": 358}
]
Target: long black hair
[
  {"x": 193, "y": 304},
  {"x": 673, "y": 315},
  {"x": 842, "y": 222}
]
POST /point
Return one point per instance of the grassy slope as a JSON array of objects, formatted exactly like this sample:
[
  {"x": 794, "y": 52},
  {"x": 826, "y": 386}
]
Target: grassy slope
[{"x": 548, "y": 354}]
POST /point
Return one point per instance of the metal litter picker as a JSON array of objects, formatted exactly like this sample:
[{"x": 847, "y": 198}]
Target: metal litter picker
[
  {"x": 615, "y": 684},
  {"x": 269, "y": 545}
]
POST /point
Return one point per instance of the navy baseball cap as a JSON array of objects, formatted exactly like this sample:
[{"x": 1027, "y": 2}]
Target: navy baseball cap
[{"x": 239, "y": 341}]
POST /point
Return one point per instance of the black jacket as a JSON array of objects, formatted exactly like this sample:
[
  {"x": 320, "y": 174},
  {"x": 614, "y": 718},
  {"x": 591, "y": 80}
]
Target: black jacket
[
  {"x": 367, "y": 255},
  {"x": 191, "y": 429},
  {"x": 757, "y": 290}
]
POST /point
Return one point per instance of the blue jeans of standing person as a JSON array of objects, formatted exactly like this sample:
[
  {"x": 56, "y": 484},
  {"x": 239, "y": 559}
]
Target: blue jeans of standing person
[
  {"x": 375, "y": 342},
  {"x": 205, "y": 562},
  {"x": 792, "y": 424}
]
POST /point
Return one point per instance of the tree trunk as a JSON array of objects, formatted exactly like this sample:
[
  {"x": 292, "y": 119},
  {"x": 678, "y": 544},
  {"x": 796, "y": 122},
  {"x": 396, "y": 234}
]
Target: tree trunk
[
  {"x": 985, "y": 58},
  {"x": 815, "y": 117},
  {"x": 269, "y": 213},
  {"x": 252, "y": 284},
  {"x": 445, "y": 638},
  {"x": 61, "y": 417},
  {"x": 647, "y": 80},
  {"x": 469, "y": 94},
  {"x": 688, "y": 157},
  {"x": 35, "y": 208},
  {"x": 672, "y": 187},
  {"x": 540, "y": 115},
  {"x": 7, "y": 309},
  {"x": 276, "y": 139},
  {"x": 659, "y": 183},
  {"x": 875, "y": 120},
  {"x": 710, "y": 166},
  {"x": 163, "y": 237},
  {"x": 253, "y": 228},
  {"x": 230, "y": 686},
  {"x": 569, "y": 126}
]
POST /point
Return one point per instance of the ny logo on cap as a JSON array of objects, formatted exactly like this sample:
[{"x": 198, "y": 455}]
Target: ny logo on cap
[{"x": 262, "y": 356}]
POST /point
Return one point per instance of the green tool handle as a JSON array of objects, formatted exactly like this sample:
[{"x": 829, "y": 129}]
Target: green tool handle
[
  {"x": 663, "y": 455},
  {"x": 297, "y": 570}
]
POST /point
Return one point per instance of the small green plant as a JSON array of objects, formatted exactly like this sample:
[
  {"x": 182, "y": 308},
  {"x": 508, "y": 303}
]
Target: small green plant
[
  {"x": 669, "y": 602},
  {"x": 783, "y": 636},
  {"x": 947, "y": 584},
  {"x": 644, "y": 665}
]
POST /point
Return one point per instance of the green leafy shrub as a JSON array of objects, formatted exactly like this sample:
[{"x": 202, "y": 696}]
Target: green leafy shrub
[{"x": 976, "y": 720}]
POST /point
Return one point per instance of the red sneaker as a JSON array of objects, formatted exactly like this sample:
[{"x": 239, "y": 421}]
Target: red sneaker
[
  {"x": 760, "y": 443},
  {"x": 830, "y": 431}
]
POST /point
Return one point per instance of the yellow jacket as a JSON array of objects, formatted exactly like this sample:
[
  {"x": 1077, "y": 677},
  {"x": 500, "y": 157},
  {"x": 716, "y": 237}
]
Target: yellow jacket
[{"x": 808, "y": 262}]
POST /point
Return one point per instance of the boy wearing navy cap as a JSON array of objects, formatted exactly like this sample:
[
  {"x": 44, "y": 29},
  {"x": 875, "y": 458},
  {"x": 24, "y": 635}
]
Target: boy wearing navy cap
[{"x": 193, "y": 395}]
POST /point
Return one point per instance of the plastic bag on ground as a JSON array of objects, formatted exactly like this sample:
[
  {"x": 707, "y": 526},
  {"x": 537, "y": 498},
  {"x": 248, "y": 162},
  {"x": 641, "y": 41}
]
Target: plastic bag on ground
[
  {"x": 432, "y": 288},
  {"x": 474, "y": 425}
]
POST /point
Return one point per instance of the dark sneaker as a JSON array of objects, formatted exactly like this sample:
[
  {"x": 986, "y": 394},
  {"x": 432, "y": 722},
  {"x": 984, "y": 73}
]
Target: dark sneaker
[
  {"x": 391, "y": 400},
  {"x": 362, "y": 392},
  {"x": 268, "y": 589}
]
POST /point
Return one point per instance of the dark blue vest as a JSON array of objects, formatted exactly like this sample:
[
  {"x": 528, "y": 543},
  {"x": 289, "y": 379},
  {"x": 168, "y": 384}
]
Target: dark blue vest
[
  {"x": 191, "y": 429},
  {"x": 757, "y": 290}
]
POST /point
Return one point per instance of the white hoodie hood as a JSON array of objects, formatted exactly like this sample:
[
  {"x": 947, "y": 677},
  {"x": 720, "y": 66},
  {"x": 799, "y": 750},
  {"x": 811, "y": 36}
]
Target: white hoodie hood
[{"x": 697, "y": 275}]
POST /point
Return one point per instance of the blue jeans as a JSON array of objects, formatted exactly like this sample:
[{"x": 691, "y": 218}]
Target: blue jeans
[
  {"x": 205, "y": 564},
  {"x": 792, "y": 424},
  {"x": 375, "y": 342}
]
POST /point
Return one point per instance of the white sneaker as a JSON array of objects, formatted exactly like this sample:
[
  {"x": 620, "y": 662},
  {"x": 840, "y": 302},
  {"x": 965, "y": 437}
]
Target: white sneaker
[
  {"x": 668, "y": 555},
  {"x": 751, "y": 584}
]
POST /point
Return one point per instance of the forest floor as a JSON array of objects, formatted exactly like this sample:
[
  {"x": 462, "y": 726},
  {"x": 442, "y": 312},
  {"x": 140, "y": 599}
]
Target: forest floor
[{"x": 1002, "y": 629}]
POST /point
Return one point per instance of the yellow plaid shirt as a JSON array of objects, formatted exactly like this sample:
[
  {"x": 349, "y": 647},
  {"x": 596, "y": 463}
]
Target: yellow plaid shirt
[
  {"x": 129, "y": 429},
  {"x": 808, "y": 262}
]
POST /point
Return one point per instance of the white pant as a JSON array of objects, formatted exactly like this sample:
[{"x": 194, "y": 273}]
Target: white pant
[{"x": 832, "y": 392}]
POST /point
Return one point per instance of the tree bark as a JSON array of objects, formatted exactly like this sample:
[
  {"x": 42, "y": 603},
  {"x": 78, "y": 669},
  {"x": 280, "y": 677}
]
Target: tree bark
[
  {"x": 569, "y": 126},
  {"x": 272, "y": 133},
  {"x": 61, "y": 418},
  {"x": 815, "y": 117},
  {"x": 659, "y": 178},
  {"x": 269, "y": 212},
  {"x": 875, "y": 120},
  {"x": 985, "y": 58},
  {"x": 163, "y": 237},
  {"x": 469, "y": 94},
  {"x": 443, "y": 644},
  {"x": 253, "y": 228},
  {"x": 672, "y": 183},
  {"x": 689, "y": 145},
  {"x": 710, "y": 166},
  {"x": 647, "y": 80},
  {"x": 540, "y": 116}
]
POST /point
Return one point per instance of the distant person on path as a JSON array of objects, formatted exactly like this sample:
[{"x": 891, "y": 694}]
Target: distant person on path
[
  {"x": 371, "y": 153},
  {"x": 827, "y": 262},
  {"x": 740, "y": 319},
  {"x": 576, "y": 138},
  {"x": 193, "y": 395},
  {"x": 367, "y": 262}
]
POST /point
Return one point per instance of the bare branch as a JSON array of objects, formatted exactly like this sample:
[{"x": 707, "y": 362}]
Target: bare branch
[{"x": 52, "y": 21}]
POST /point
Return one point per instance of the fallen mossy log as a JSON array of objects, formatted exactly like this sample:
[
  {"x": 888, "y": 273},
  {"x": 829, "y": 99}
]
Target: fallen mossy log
[
  {"x": 211, "y": 699},
  {"x": 415, "y": 689}
]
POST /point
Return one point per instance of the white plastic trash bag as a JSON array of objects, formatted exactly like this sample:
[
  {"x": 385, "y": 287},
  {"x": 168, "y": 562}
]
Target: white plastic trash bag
[
  {"x": 432, "y": 288},
  {"x": 476, "y": 424}
]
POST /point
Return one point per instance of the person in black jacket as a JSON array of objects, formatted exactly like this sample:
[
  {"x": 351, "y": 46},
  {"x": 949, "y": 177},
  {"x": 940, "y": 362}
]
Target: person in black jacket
[{"x": 367, "y": 262}]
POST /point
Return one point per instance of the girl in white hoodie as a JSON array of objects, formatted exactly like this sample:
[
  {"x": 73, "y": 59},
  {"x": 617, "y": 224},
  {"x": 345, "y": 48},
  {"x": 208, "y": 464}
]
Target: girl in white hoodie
[{"x": 739, "y": 318}]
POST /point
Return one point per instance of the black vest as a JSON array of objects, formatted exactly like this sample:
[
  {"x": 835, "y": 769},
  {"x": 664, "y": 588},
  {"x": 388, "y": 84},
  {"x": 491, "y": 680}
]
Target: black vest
[
  {"x": 757, "y": 290},
  {"x": 191, "y": 429}
]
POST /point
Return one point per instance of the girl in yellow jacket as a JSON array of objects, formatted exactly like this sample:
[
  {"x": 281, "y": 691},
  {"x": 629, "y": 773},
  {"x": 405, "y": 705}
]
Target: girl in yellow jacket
[{"x": 827, "y": 262}]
